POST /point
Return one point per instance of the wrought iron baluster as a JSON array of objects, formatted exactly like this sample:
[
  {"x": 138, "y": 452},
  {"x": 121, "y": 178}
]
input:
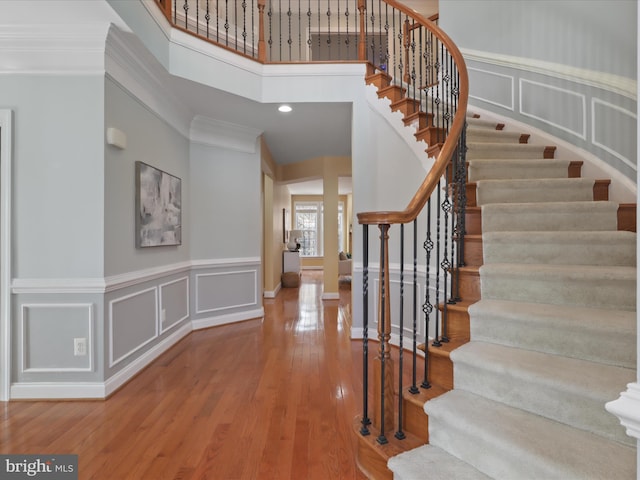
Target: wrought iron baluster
[
  {"x": 399, "y": 433},
  {"x": 289, "y": 40},
  {"x": 382, "y": 329},
  {"x": 364, "y": 429},
  {"x": 436, "y": 339},
  {"x": 414, "y": 367},
  {"x": 427, "y": 307}
]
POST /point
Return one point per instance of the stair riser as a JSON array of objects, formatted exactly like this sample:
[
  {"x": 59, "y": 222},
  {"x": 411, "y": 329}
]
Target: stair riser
[
  {"x": 415, "y": 420},
  {"x": 473, "y": 251},
  {"x": 489, "y": 453},
  {"x": 458, "y": 325},
  {"x": 490, "y": 150},
  {"x": 470, "y": 285},
  {"x": 499, "y": 171},
  {"x": 519, "y": 221},
  {"x": 533, "y": 334},
  {"x": 533, "y": 195},
  {"x": 524, "y": 392},
  {"x": 560, "y": 254},
  {"x": 595, "y": 292}
]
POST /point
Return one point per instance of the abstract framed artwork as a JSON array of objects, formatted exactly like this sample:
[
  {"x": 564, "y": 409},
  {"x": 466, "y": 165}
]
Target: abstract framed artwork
[{"x": 158, "y": 207}]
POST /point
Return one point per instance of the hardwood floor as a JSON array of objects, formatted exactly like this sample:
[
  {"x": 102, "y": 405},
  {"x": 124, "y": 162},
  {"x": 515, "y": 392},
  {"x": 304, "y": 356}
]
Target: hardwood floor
[{"x": 270, "y": 398}]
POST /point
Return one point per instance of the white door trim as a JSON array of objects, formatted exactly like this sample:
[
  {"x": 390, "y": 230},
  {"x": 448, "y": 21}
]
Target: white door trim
[{"x": 6, "y": 151}]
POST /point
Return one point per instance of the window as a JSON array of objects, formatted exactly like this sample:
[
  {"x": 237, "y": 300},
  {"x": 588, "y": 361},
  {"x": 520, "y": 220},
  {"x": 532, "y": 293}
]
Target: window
[{"x": 308, "y": 218}]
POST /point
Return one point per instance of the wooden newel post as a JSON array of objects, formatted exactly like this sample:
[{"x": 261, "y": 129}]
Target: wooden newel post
[
  {"x": 262, "y": 48},
  {"x": 383, "y": 385},
  {"x": 362, "y": 46}
]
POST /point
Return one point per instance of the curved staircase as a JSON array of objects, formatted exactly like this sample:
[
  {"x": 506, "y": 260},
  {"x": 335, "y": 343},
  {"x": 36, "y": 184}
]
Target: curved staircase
[{"x": 552, "y": 330}]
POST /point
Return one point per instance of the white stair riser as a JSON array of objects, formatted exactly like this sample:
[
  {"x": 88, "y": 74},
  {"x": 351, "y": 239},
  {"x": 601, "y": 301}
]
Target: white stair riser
[
  {"x": 560, "y": 248},
  {"x": 591, "y": 340},
  {"x": 587, "y": 291},
  {"x": 525, "y": 390}
]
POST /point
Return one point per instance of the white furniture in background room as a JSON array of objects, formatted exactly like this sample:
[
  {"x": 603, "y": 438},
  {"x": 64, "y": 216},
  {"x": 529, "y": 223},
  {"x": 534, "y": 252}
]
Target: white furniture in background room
[{"x": 291, "y": 261}]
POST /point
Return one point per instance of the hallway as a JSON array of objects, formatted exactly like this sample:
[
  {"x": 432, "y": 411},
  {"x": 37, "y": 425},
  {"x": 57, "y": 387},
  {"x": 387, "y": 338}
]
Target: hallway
[{"x": 270, "y": 398}]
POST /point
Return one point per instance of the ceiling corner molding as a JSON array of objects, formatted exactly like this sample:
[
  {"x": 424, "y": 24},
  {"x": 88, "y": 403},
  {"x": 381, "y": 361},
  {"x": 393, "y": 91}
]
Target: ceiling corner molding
[
  {"x": 605, "y": 81},
  {"x": 53, "y": 49},
  {"x": 216, "y": 133},
  {"x": 133, "y": 67}
]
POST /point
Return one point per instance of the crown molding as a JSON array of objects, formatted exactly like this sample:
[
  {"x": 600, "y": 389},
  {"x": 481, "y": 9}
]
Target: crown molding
[
  {"x": 217, "y": 133},
  {"x": 135, "y": 69},
  {"x": 53, "y": 49}
]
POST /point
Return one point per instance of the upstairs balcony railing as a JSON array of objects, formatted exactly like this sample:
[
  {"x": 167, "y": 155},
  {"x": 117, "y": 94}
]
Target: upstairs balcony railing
[{"x": 420, "y": 69}]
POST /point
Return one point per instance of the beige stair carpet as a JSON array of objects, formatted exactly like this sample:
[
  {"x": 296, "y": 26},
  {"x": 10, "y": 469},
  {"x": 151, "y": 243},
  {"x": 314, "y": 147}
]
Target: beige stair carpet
[{"x": 553, "y": 337}]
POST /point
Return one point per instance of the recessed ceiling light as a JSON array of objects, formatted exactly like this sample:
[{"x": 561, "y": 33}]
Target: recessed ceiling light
[{"x": 284, "y": 108}]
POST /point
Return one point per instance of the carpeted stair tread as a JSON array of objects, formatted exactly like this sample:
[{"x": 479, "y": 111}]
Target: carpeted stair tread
[
  {"x": 494, "y": 136},
  {"x": 513, "y": 168},
  {"x": 568, "y": 390},
  {"x": 508, "y": 443},
  {"x": 615, "y": 247},
  {"x": 599, "y": 335},
  {"x": 504, "y": 150},
  {"x": 534, "y": 190},
  {"x": 585, "y": 285},
  {"x": 574, "y": 216},
  {"x": 413, "y": 465},
  {"x": 484, "y": 123}
]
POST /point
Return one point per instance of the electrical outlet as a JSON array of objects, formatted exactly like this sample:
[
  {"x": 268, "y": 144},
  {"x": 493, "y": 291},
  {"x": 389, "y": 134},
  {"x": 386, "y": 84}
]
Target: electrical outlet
[{"x": 79, "y": 347}]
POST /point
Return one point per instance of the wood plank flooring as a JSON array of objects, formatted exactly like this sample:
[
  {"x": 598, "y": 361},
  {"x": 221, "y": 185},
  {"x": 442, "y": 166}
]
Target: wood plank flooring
[{"x": 270, "y": 398}]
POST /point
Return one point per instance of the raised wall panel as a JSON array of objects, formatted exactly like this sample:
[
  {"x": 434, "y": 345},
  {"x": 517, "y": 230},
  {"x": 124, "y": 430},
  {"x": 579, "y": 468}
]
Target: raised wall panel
[
  {"x": 614, "y": 129},
  {"x": 133, "y": 323},
  {"x": 48, "y": 332},
  {"x": 558, "y": 107},
  {"x": 226, "y": 290},
  {"x": 174, "y": 303},
  {"x": 492, "y": 87}
]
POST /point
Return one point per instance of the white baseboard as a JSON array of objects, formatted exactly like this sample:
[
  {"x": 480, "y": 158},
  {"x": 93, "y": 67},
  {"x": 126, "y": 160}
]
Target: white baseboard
[
  {"x": 272, "y": 294},
  {"x": 201, "y": 323},
  {"x": 57, "y": 390}
]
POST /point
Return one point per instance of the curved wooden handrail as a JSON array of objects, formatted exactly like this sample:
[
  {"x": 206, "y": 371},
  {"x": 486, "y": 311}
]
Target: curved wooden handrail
[{"x": 431, "y": 180}]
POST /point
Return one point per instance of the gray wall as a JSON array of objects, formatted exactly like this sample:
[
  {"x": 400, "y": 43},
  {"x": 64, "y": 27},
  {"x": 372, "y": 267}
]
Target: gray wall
[
  {"x": 565, "y": 67},
  {"x": 152, "y": 140},
  {"x": 58, "y": 170}
]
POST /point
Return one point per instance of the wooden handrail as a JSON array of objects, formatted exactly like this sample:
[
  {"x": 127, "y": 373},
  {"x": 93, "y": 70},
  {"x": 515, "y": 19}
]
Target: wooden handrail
[{"x": 448, "y": 148}]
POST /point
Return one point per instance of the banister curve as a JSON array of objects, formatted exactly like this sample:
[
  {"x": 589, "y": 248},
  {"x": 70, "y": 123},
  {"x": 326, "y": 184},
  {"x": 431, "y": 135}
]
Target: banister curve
[{"x": 430, "y": 182}]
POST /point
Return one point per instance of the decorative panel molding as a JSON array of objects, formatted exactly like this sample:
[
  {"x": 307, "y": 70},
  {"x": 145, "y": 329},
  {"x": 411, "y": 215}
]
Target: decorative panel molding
[
  {"x": 133, "y": 323},
  {"x": 491, "y": 87},
  {"x": 226, "y": 290},
  {"x": 174, "y": 303},
  {"x": 566, "y": 102},
  {"x": 610, "y": 123},
  {"x": 47, "y": 337}
]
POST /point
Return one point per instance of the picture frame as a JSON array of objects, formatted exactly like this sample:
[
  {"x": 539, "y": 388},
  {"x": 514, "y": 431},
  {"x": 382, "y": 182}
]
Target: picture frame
[{"x": 158, "y": 209}]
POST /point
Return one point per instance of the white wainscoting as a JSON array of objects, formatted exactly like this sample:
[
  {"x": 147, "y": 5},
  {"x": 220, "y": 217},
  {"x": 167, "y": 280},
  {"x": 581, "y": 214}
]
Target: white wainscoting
[
  {"x": 603, "y": 113},
  {"x": 226, "y": 290},
  {"x": 47, "y": 334},
  {"x": 530, "y": 94},
  {"x": 174, "y": 303},
  {"x": 491, "y": 87},
  {"x": 132, "y": 323}
]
